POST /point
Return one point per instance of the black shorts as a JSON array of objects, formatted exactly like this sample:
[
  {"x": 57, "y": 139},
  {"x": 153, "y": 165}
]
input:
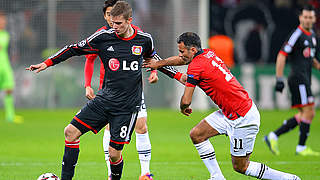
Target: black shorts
[
  {"x": 301, "y": 94},
  {"x": 94, "y": 118}
]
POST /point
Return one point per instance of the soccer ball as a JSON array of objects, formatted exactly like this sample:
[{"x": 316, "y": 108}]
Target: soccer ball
[{"x": 48, "y": 176}]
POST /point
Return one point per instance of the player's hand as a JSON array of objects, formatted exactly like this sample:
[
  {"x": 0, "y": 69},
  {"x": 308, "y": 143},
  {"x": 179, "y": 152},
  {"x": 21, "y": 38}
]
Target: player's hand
[
  {"x": 37, "y": 67},
  {"x": 186, "y": 111},
  {"x": 279, "y": 85},
  {"x": 153, "y": 78},
  {"x": 90, "y": 93},
  {"x": 150, "y": 63}
]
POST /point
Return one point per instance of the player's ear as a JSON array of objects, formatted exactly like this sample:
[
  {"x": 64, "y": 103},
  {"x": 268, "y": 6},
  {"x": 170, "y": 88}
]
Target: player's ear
[{"x": 193, "y": 50}]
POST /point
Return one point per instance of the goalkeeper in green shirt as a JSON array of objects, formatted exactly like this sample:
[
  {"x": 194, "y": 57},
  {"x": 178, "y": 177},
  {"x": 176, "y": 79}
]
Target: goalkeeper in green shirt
[{"x": 6, "y": 73}]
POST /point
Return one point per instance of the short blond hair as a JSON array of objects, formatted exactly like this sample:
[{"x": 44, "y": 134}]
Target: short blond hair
[{"x": 122, "y": 8}]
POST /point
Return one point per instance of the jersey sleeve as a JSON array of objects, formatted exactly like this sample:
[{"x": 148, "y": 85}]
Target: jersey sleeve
[
  {"x": 290, "y": 43},
  {"x": 170, "y": 71},
  {"x": 86, "y": 46},
  {"x": 149, "y": 47},
  {"x": 193, "y": 74},
  {"x": 88, "y": 69},
  {"x": 102, "y": 71}
]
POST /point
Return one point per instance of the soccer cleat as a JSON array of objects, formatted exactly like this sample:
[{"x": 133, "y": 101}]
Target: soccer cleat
[
  {"x": 147, "y": 176},
  {"x": 109, "y": 177},
  {"x": 272, "y": 144},
  {"x": 308, "y": 152}
]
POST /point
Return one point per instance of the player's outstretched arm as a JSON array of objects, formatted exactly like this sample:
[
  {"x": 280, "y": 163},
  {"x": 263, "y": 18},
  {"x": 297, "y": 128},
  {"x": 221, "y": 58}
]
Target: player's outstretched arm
[
  {"x": 186, "y": 101},
  {"x": 37, "y": 67},
  {"x": 167, "y": 70},
  {"x": 159, "y": 63}
]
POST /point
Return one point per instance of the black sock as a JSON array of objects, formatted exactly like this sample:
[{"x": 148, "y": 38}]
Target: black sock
[
  {"x": 70, "y": 158},
  {"x": 116, "y": 169},
  {"x": 304, "y": 133},
  {"x": 286, "y": 126}
]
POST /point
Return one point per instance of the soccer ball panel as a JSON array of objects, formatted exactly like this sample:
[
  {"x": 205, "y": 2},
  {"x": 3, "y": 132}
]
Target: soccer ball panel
[{"x": 48, "y": 176}]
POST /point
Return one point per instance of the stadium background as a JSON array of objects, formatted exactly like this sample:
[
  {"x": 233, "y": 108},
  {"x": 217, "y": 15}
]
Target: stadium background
[{"x": 38, "y": 28}]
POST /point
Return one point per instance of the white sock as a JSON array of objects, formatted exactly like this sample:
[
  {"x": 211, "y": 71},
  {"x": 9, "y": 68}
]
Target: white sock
[
  {"x": 208, "y": 156},
  {"x": 106, "y": 141},
  {"x": 272, "y": 135},
  {"x": 144, "y": 150},
  {"x": 300, "y": 148},
  {"x": 261, "y": 171}
]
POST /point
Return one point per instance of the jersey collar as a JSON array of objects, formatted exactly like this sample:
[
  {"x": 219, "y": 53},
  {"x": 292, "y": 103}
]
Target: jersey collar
[
  {"x": 308, "y": 33},
  {"x": 128, "y": 38},
  {"x": 198, "y": 53}
]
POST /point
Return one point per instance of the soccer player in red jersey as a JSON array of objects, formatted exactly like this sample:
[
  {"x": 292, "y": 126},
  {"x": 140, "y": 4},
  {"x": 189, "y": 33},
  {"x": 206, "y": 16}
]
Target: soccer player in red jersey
[{"x": 238, "y": 116}]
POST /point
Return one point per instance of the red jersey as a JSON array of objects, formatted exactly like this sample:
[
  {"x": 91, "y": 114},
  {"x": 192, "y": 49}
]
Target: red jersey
[
  {"x": 89, "y": 65},
  {"x": 210, "y": 73}
]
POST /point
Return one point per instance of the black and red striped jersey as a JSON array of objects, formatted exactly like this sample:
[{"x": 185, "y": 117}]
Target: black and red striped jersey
[
  {"x": 122, "y": 60},
  {"x": 167, "y": 70},
  {"x": 300, "y": 49}
]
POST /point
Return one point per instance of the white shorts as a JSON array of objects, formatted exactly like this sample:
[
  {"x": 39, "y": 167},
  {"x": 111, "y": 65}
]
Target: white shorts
[
  {"x": 242, "y": 132},
  {"x": 143, "y": 108}
]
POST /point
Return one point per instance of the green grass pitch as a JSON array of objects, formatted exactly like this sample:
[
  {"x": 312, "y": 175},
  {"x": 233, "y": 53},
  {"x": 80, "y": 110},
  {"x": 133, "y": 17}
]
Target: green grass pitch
[{"x": 35, "y": 147}]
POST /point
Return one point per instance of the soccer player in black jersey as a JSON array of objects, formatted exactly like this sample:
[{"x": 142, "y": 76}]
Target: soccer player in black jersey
[
  {"x": 118, "y": 102},
  {"x": 143, "y": 143},
  {"x": 299, "y": 50}
]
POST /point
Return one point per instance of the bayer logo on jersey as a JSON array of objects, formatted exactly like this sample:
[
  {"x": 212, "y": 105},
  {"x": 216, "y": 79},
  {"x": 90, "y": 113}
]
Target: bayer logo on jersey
[{"x": 136, "y": 50}]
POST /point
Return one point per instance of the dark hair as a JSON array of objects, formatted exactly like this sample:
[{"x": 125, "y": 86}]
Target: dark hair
[
  {"x": 307, "y": 7},
  {"x": 122, "y": 8},
  {"x": 108, "y": 3},
  {"x": 190, "y": 39}
]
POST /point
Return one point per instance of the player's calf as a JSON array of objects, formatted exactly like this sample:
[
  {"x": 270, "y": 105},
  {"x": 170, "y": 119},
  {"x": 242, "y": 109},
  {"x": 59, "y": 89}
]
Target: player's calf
[
  {"x": 70, "y": 158},
  {"x": 116, "y": 169},
  {"x": 240, "y": 164}
]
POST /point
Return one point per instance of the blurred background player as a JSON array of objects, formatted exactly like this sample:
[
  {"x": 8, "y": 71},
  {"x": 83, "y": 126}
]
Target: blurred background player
[
  {"x": 143, "y": 144},
  {"x": 237, "y": 117},
  {"x": 300, "y": 50},
  {"x": 6, "y": 73}
]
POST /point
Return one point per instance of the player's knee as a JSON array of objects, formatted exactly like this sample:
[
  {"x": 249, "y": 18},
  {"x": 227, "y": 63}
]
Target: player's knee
[
  {"x": 71, "y": 133},
  {"x": 239, "y": 168},
  {"x": 114, "y": 154},
  {"x": 142, "y": 129},
  {"x": 141, "y": 125},
  {"x": 195, "y": 136},
  {"x": 313, "y": 113}
]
